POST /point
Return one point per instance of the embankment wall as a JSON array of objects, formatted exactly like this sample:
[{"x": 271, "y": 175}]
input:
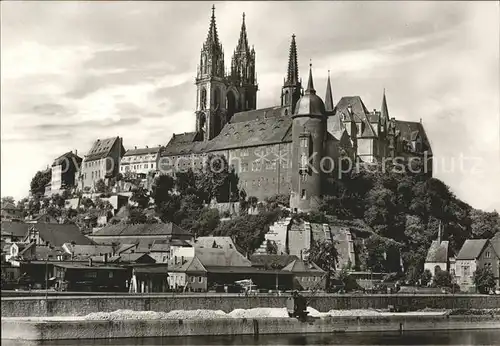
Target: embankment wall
[
  {"x": 83, "y": 305},
  {"x": 63, "y": 330}
]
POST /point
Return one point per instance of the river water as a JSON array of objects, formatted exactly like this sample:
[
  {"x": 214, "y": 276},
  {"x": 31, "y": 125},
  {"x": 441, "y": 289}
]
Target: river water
[{"x": 458, "y": 337}]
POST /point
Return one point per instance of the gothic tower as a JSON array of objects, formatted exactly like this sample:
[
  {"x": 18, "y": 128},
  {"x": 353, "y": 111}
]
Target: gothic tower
[
  {"x": 210, "y": 86},
  {"x": 329, "y": 96},
  {"x": 308, "y": 138},
  {"x": 243, "y": 77},
  {"x": 292, "y": 86}
]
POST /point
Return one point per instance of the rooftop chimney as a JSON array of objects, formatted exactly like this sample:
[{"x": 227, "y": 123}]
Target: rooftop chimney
[
  {"x": 135, "y": 147},
  {"x": 146, "y": 147},
  {"x": 76, "y": 152}
]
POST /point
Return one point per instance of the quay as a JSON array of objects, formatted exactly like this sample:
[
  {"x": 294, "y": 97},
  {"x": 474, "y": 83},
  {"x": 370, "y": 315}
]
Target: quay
[{"x": 78, "y": 328}]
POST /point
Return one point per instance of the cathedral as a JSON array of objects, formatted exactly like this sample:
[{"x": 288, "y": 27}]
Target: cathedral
[{"x": 290, "y": 148}]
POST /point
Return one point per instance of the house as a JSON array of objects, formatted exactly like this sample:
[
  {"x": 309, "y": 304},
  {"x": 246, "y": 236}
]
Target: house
[
  {"x": 141, "y": 163},
  {"x": 88, "y": 250},
  {"x": 14, "y": 231},
  {"x": 64, "y": 170},
  {"x": 211, "y": 267},
  {"x": 91, "y": 278},
  {"x": 164, "y": 250},
  {"x": 439, "y": 256},
  {"x": 149, "y": 279},
  {"x": 101, "y": 162},
  {"x": 55, "y": 234},
  {"x": 9, "y": 211},
  {"x": 475, "y": 254},
  {"x": 307, "y": 275},
  {"x": 143, "y": 234},
  {"x": 271, "y": 261}
]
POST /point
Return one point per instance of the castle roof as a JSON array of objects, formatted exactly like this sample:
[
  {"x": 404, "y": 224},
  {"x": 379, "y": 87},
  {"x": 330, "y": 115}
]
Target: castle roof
[
  {"x": 310, "y": 103},
  {"x": 358, "y": 109},
  {"x": 410, "y": 130},
  {"x": 67, "y": 156}
]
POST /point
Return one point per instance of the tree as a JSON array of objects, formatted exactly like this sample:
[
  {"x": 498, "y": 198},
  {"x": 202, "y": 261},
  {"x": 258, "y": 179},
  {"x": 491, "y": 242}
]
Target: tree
[
  {"x": 442, "y": 279},
  {"x": 218, "y": 180},
  {"x": 100, "y": 186},
  {"x": 140, "y": 196},
  {"x": 426, "y": 277},
  {"x": 484, "y": 279},
  {"x": 103, "y": 204},
  {"x": 8, "y": 199},
  {"x": 39, "y": 181},
  {"x": 271, "y": 248},
  {"x": 87, "y": 203},
  {"x": 137, "y": 216},
  {"x": 325, "y": 255}
]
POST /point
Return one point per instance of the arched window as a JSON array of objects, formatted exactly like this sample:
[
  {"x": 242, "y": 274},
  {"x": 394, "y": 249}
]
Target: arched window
[
  {"x": 203, "y": 98},
  {"x": 217, "y": 98},
  {"x": 204, "y": 64}
]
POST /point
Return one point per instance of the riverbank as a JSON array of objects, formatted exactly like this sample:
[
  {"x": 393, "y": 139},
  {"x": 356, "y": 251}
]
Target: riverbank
[{"x": 84, "y": 327}]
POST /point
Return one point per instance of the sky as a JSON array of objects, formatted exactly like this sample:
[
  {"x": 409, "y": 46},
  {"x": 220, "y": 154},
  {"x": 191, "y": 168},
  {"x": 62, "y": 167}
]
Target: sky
[{"x": 72, "y": 72}]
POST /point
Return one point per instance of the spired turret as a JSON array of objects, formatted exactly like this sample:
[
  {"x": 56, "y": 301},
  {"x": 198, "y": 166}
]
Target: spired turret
[{"x": 308, "y": 138}]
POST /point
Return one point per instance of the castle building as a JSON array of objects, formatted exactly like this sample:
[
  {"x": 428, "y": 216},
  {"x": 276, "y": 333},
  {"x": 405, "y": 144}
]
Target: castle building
[
  {"x": 101, "y": 162},
  {"x": 290, "y": 148}
]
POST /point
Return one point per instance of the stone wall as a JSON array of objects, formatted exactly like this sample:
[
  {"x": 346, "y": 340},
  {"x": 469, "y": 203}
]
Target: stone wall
[
  {"x": 83, "y": 305},
  {"x": 13, "y": 329}
]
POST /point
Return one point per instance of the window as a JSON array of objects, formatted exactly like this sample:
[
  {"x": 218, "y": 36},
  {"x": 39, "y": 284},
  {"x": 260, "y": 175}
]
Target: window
[
  {"x": 303, "y": 194},
  {"x": 193, "y": 279},
  {"x": 303, "y": 142},
  {"x": 466, "y": 270},
  {"x": 110, "y": 275},
  {"x": 151, "y": 166},
  {"x": 200, "y": 279},
  {"x": 487, "y": 254}
]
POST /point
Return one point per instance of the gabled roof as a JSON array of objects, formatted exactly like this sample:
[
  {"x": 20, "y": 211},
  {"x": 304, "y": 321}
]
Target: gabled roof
[
  {"x": 193, "y": 265},
  {"x": 300, "y": 266},
  {"x": 70, "y": 156},
  {"x": 58, "y": 234},
  {"x": 90, "y": 250},
  {"x": 258, "y": 114},
  {"x": 358, "y": 108},
  {"x": 409, "y": 130},
  {"x": 17, "y": 229},
  {"x": 101, "y": 148},
  {"x": 221, "y": 257},
  {"x": 137, "y": 230},
  {"x": 142, "y": 151},
  {"x": 219, "y": 242},
  {"x": 471, "y": 249},
  {"x": 183, "y": 138},
  {"x": 438, "y": 252},
  {"x": 495, "y": 243},
  {"x": 272, "y": 261},
  {"x": 265, "y": 131}
]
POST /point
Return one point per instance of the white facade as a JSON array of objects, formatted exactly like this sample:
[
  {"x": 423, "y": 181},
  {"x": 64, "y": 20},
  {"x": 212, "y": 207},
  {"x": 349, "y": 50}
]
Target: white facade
[
  {"x": 56, "y": 180},
  {"x": 464, "y": 273},
  {"x": 181, "y": 254},
  {"x": 140, "y": 161},
  {"x": 431, "y": 266}
]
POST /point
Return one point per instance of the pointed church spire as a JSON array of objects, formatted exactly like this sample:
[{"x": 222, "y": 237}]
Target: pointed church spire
[
  {"x": 212, "y": 37},
  {"x": 328, "y": 96},
  {"x": 243, "y": 40},
  {"x": 310, "y": 84},
  {"x": 293, "y": 70},
  {"x": 384, "y": 116}
]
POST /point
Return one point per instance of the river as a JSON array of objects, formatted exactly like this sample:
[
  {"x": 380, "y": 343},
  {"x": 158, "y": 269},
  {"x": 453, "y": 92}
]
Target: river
[{"x": 458, "y": 337}]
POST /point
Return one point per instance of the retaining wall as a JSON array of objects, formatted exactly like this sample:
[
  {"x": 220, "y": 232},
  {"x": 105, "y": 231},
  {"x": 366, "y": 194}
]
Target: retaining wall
[
  {"x": 63, "y": 330},
  {"x": 83, "y": 305}
]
